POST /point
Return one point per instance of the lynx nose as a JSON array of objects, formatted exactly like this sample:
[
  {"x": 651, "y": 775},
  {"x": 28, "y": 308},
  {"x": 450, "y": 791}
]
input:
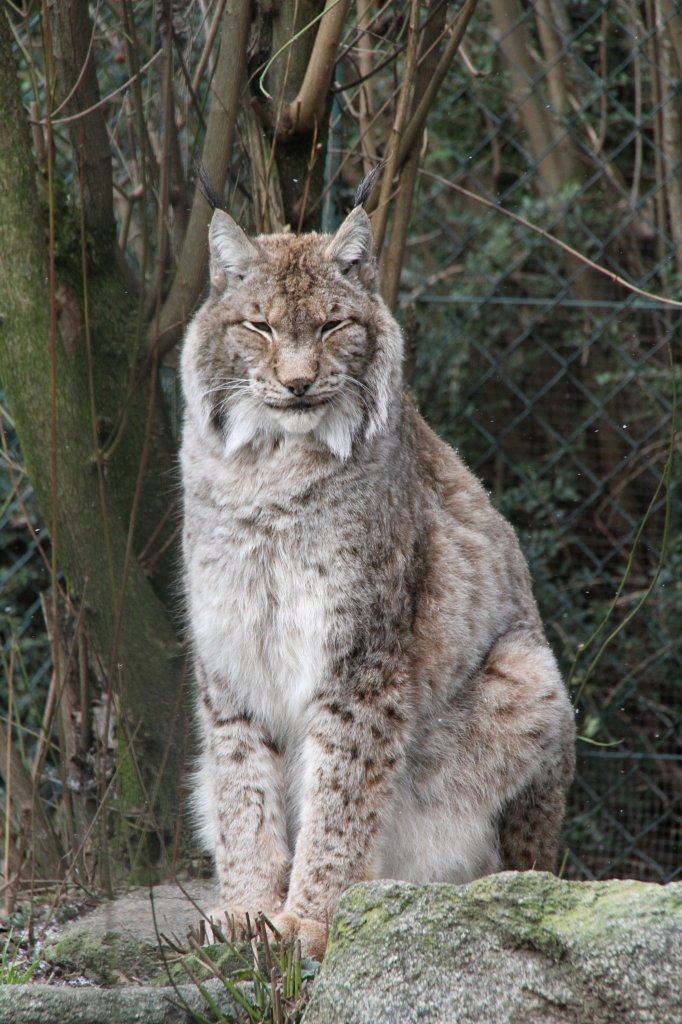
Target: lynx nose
[{"x": 298, "y": 386}]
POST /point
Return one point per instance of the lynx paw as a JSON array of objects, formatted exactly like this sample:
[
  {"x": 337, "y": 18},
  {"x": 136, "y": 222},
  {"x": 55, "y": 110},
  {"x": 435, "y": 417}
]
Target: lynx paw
[
  {"x": 240, "y": 923},
  {"x": 312, "y": 934}
]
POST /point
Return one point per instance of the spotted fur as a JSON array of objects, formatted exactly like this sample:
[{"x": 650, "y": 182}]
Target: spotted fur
[{"x": 374, "y": 690}]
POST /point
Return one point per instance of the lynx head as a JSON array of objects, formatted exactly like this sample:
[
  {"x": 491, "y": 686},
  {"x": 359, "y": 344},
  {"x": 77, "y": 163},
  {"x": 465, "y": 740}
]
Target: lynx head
[{"x": 293, "y": 339}]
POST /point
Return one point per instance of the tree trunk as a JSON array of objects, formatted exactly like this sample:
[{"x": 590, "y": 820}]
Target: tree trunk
[
  {"x": 90, "y": 499},
  {"x": 300, "y": 163}
]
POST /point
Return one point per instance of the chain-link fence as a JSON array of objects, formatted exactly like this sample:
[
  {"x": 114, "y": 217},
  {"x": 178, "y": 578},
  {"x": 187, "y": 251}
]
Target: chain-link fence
[
  {"x": 558, "y": 382},
  {"x": 24, "y": 576}
]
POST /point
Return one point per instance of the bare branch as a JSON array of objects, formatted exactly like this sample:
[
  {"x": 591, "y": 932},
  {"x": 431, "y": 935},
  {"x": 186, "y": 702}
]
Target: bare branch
[
  {"x": 394, "y": 249},
  {"x": 415, "y": 126},
  {"x": 168, "y": 161},
  {"x": 26, "y": 811},
  {"x": 105, "y": 100},
  {"x": 266, "y": 194},
  {"x": 552, "y": 37},
  {"x": 307, "y": 108},
  {"x": 366, "y": 99},
  {"x": 225, "y": 95},
  {"x": 394, "y": 252},
  {"x": 381, "y": 220},
  {"x": 670, "y": 53},
  {"x": 543, "y": 134},
  {"x": 608, "y": 275},
  {"x": 207, "y": 50}
]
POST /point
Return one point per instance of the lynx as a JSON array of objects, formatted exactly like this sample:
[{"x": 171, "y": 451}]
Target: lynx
[{"x": 375, "y": 694}]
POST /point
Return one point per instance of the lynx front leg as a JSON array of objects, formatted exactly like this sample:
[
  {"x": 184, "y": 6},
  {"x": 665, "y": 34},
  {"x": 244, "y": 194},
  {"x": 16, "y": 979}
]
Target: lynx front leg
[
  {"x": 241, "y": 807},
  {"x": 351, "y": 756}
]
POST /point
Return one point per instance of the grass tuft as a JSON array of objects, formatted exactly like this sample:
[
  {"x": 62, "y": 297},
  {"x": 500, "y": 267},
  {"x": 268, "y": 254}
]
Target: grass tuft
[
  {"x": 16, "y": 968},
  {"x": 266, "y": 978}
]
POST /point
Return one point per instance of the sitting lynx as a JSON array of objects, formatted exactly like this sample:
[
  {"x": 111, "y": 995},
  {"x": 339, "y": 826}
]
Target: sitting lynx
[{"x": 375, "y": 692}]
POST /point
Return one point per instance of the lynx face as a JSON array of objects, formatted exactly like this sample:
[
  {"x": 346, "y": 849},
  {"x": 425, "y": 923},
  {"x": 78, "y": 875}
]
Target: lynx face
[{"x": 293, "y": 340}]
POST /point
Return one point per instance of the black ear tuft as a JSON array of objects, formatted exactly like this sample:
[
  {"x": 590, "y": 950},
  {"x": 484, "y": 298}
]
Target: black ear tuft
[
  {"x": 206, "y": 188},
  {"x": 366, "y": 186}
]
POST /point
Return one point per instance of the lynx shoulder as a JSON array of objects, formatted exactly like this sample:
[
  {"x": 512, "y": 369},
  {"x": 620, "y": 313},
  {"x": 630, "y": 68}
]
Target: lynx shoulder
[{"x": 375, "y": 693}]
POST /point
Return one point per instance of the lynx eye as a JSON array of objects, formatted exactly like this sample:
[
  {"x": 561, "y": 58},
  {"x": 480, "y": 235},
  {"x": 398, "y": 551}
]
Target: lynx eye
[
  {"x": 333, "y": 325},
  {"x": 260, "y": 326}
]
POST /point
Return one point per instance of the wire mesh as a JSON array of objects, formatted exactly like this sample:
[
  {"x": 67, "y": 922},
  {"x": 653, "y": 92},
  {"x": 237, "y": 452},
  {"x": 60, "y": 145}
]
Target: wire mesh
[
  {"x": 24, "y": 648},
  {"x": 559, "y": 383}
]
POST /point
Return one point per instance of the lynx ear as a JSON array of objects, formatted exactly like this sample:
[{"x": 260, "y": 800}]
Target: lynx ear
[
  {"x": 232, "y": 252},
  {"x": 352, "y": 248}
]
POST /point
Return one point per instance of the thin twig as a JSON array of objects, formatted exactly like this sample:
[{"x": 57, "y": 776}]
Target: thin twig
[
  {"x": 206, "y": 52},
  {"x": 381, "y": 219},
  {"x": 417, "y": 120},
  {"x": 84, "y": 67},
  {"x": 613, "y": 277},
  {"x": 72, "y": 118},
  {"x": 226, "y": 89},
  {"x": 290, "y": 42}
]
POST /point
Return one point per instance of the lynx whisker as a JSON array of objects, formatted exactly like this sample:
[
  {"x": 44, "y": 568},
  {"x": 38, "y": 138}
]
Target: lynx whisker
[
  {"x": 214, "y": 379},
  {"x": 360, "y": 390},
  {"x": 232, "y": 388},
  {"x": 353, "y": 380}
]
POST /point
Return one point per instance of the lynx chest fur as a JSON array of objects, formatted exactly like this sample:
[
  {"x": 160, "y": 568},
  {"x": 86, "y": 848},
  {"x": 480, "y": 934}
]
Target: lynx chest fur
[
  {"x": 259, "y": 582},
  {"x": 375, "y": 694}
]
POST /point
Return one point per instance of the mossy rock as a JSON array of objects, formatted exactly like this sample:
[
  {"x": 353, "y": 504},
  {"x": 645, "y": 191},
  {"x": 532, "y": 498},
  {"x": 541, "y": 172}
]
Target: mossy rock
[
  {"x": 509, "y": 949},
  {"x": 48, "y": 1004},
  {"x": 108, "y": 958},
  {"x": 119, "y": 939}
]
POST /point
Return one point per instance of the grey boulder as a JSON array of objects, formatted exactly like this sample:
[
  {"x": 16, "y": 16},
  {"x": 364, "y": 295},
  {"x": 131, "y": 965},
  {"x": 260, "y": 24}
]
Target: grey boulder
[{"x": 508, "y": 949}]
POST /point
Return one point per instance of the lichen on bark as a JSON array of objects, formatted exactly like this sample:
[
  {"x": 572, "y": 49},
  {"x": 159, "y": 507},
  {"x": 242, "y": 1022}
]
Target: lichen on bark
[{"x": 127, "y": 624}]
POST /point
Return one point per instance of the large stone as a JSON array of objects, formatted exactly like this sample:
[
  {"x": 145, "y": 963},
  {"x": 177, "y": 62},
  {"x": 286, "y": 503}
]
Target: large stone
[
  {"x": 140, "y": 913},
  {"x": 119, "y": 941},
  {"x": 117, "y": 945},
  {"x": 50, "y": 1004},
  {"x": 507, "y": 949}
]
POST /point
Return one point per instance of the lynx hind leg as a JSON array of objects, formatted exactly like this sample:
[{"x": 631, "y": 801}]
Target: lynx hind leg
[
  {"x": 525, "y": 722},
  {"x": 530, "y": 825}
]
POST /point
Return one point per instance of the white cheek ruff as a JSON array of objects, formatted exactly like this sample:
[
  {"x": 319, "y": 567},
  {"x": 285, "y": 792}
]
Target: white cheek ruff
[
  {"x": 196, "y": 399},
  {"x": 340, "y": 426},
  {"x": 335, "y": 424},
  {"x": 247, "y": 420}
]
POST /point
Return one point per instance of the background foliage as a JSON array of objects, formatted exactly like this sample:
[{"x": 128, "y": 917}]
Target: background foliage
[{"x": 557, "y": 383}]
